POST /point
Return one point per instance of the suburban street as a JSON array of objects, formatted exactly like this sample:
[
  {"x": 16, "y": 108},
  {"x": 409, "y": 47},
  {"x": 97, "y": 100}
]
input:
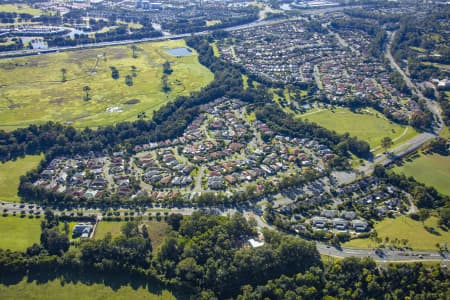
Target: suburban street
[{"x": 432, "y": 105}]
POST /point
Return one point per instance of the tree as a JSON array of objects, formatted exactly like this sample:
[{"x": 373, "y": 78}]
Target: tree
[
  {"x": 130, "y": 229},
  {"x": 66, "y": 228},
  {"x": 166, "y": 68},
  {"x": 386, "y": 143},
  {"x": 63, "y": 75},
  {"x": 142, "y": 115},
  {"x": 133, "y": 49},
  {"x": 129, "y": 80},
  {"x": 423, "y": 215},
  {"x": 165, "y": 84},
  {"x": 54, "y": 242},
  {"x": 86, "y": 89},
  {"x": 133, "y": 71}
]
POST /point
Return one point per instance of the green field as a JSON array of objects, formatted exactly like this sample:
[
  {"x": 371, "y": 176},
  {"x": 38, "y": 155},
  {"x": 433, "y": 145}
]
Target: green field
[
  {"x": 405, "y": 228},
  {"x": 32, "y": 89},
  {"x": 20, "y": 9},
  {"x": 156, "y": 230},
  {"x": 10, "y": 173},
  {"x": 370, "y": 126},
  {"x": 19, "y": 233},
  {"x": 56, "y": 289},
  {"x": 433, "y": 170}
]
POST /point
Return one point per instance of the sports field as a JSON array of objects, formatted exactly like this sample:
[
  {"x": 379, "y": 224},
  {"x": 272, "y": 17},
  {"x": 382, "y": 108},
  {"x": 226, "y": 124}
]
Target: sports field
[
  {"x": 10, "y": 173},
  {"x": 56, "y": 289},
  {"x": 433, "y": 170},
  {"x": 18, "y": 233},
  {"x": 78, "y": 87},
  {"x": 369, "y": 125},
  {"x": 405, "y": 228}
]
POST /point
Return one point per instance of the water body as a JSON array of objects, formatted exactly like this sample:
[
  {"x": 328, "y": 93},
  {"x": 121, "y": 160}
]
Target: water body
[{"x": 180, "y": 52}]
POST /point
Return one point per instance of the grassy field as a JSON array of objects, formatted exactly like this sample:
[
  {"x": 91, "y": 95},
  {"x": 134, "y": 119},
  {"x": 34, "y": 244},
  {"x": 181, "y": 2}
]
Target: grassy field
[
  {"x": 405, "y": 228},
  {"x": 156, "y": 230},
  {"x": 433, "y": 170},
  {"x": 56, "y": 289},
  {"x": 19, "y": 233},
  {"x": 10, "y": 173},
  {"x": 104, "y": 227},
  {"x": 20, "y": 9},
  {"x": 32, "y": 89},
  {"x": 369, "y": 126}
]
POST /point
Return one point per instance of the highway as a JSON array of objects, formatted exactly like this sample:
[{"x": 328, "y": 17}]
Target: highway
[
  {"x": 384, "y": 255},
  {"x": 27, "y": 52}
]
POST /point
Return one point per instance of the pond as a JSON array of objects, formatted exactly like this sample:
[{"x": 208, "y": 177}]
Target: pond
[{"x": 179, "y": 52}]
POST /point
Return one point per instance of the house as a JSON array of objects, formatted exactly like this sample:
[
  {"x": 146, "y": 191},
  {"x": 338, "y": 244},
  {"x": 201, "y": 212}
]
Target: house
[
  {"x": 348, "y": 215},
  {"x": 82, "y": 230},
  {"x": 319, "y": 222},
  {"x": 255, "y": 243},
  {"x": 328, "y": 213},
  {"x": 359, "y": 225},
  {"x": 47, "y": 174},
  {"x": 340, "y": 224}
]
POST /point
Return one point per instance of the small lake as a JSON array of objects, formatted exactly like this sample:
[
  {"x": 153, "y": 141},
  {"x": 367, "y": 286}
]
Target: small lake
[{"x": 179, "y": 51}]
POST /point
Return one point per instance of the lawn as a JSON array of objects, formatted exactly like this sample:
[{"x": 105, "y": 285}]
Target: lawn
[
  {"x": 405, "y": 228},
  {"x": 156, "y": 229},
  {"x": 56, "y": 289},
  {"x": 104, "y": 227},
  {"x": 36, "y": 89},
  {"x": 370, "y": 125},
  {"x": 10, "y": 173},
  {"x": 20, "y": 9},
  {"x": 433, "y": 170},
  {"x": 18, "y": 233}
]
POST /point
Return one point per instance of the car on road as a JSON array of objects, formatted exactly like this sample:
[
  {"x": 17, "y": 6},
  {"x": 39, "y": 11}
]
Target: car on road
[{"x": 379, "y": 252}]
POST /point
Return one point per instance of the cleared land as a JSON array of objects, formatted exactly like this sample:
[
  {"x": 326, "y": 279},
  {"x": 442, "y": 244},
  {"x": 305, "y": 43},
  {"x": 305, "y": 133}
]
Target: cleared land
[
  {"x": 56, "y": 289},
  {"x": 405, "y": 228},
  {"x": 18, "y": 233},
  {"x": 433, "y": 170},
  {"x": 36, "y": 89},
  {"x": 157, "y": 230},
  {"x": 370, "y": 125},
  {"x": 10, "y": 173}
]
